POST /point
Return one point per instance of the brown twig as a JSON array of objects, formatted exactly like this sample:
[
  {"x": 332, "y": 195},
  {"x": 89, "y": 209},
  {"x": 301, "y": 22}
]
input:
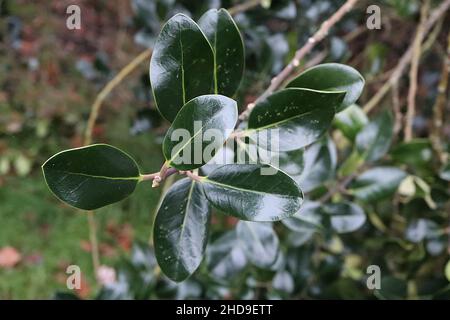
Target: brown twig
[
  {"x": 439, "y": 108},
  {"x": 88, "y": 140},
  {"x": 416, "y": 52},
  {"x": 278, "y": 80},
  {"x": 95, "y": 109},
  {"x": 341, "y": 185},
  {"x": 193, "y": 176},
  {"x": 404, "y": 61},
  {"x": 397, "y": 109},
  {"x": 244, "y": 6}
]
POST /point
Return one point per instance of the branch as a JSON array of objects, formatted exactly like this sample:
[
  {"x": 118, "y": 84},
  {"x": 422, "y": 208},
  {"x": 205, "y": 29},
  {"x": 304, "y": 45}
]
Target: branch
[
  {"x": 416, "y": 51},
  {"x": 338, "y": 187},
  {"x": 439, "y": 109},
  {"x": 404, "y": 61},
  {"x": 277, "y": 81},
  {"x": 244, "y": 7},
  {"x": 107, "y": 90}
]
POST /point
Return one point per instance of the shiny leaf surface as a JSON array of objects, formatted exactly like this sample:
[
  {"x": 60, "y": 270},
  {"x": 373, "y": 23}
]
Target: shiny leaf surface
[
  {"x": 182, "y": 65},
  {"x": 244, "y": 191},
  {"x": 332, "y": 77},
  {"x": 292, "y": 118},
  {"x": 181, "y": 229},
  {"x": 91, "y": 177},
  {"x": 228, "y": 49},
  {"x": 186, "y": 140}
]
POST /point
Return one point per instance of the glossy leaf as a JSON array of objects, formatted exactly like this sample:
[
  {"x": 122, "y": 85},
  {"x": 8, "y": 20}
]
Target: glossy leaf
[
  {"x": 181, "y": 229},
  {"x": 375, "y": 139},
  {"x": 91, "y": 177},
  {"x": 259, "y": 241},
  {"x": 319, "y": 164},
  {"x": 345, "y": 216},
  {"x": 247, "y": 192},
  {"x": 185, "y": 141},
  {"x": 182, "y": 65},
  {"x": 332, "y": 77},
  {"x": 228, "y": 49},
  {"x": 377, "y": 183},
  {"x": 225, "y": 257},
  {"x": 292, "y": 118},
  {"x": 350, "y": 121}
]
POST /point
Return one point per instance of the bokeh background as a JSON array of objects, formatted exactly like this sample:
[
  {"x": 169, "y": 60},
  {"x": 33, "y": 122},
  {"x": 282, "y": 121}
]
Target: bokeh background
[{"x": 49, "y": 78}]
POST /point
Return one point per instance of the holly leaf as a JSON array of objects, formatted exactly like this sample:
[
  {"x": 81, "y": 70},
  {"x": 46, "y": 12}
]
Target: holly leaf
[
  {"x": 247, "y": 192},
  {"x": 292, "y": 118},
  {"x": 228, "y": 48},
  {"x": 182, "y": 65},
  {"x": 181, "y": 229},
  {"x": 198, "y": 118},
  {"x": 332, "y": 77},
  {"x": 91, "y": 177}
]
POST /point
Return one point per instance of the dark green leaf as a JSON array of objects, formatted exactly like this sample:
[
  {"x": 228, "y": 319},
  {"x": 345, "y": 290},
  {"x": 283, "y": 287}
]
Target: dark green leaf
[
  {"x": 377, "y": 183},
  {"x": 292, "y": 118},
  {"x": 350, "y": 121},
  {"x": 319, "y": 164},
  {"x": 214, "y": 113},
  {"x": 374, "y": 140},
  {"x": 345, "y": 216},
  {"x": 91, "y": 177},
  {"x": 181, "y": 229},
  {"x": 228, "y": 48},
  {"x": 259, "y": 241},
  {"x": 182, "y": 65},
  {"x": 332, "y": 77},
  {"x": 253, "y": 192}
]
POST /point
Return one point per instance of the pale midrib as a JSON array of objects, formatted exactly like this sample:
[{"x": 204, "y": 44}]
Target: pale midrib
[
  {"x": 182, "y": 72},
  {"x": 244, "y": 146},
  {"x": 191, "y": 189},
  {"x": 275, "y": 124},
  {"x": 246, "y": 190},
  {"x": 216, "y": 87},
  {"x": 96, "y": 176},
  {"x": 191, "y": 138}
]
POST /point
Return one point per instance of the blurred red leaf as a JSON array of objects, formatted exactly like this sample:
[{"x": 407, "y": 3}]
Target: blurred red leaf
[{"x": 9, "y": 257}]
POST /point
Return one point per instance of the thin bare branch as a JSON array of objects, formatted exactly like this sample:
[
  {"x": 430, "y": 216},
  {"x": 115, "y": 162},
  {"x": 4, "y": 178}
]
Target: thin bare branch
[
  {"x": 416, "y": 52},
  {"x": 278, "y": 80}
]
